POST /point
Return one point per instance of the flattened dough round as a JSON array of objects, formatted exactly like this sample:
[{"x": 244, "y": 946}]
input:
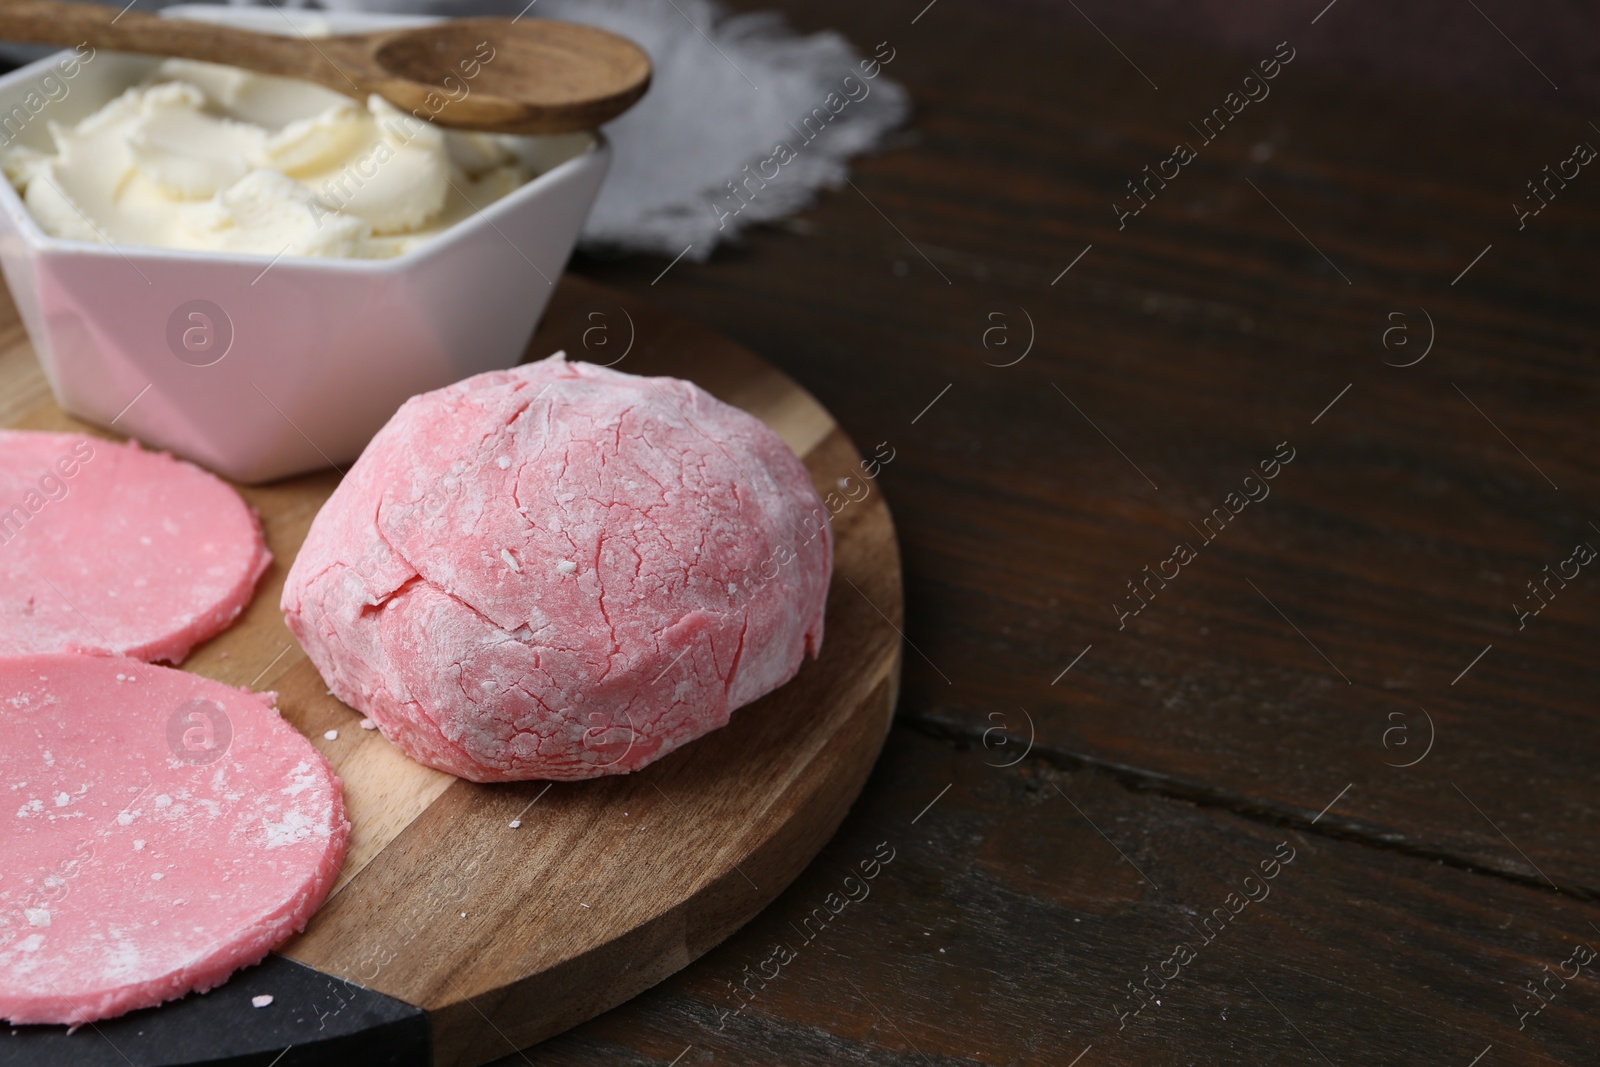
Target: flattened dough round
[
  {"x": 105, "y": 547},
  {"x": 160, "y": 831},
  {"x": 562, "y": 571}
]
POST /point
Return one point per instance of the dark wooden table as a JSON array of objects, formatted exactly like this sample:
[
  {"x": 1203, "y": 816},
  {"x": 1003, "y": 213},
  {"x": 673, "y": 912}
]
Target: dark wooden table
[{"x": 1345, "y": 679}]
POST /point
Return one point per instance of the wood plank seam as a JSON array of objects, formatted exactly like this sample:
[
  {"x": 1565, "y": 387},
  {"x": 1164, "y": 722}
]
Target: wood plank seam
[{"x": 1142, "y": 780}]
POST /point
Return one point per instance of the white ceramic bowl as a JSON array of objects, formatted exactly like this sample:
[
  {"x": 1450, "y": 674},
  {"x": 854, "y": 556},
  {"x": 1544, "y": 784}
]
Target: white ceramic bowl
[{"x": 291, "y": 368}]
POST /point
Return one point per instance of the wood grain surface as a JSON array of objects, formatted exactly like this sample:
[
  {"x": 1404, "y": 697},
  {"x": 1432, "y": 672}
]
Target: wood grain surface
[
  {"x": 1297, "y": 659},
  {"x": 512, "y": 912}
]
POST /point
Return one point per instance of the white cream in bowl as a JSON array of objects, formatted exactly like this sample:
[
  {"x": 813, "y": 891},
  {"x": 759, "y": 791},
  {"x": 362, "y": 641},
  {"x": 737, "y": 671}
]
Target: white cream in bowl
[{"x": 213, "y": 158}]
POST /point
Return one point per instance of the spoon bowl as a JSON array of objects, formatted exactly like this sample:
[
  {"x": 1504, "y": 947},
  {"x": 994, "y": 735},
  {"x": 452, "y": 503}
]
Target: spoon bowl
[{"x": 482, "y": 66}]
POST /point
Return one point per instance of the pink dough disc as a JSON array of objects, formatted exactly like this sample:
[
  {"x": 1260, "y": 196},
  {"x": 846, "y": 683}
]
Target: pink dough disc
[
  {"x": 562, "y": 571},
  {"x": 159, "y": 830},
  {"x": 105, "y": 547}
]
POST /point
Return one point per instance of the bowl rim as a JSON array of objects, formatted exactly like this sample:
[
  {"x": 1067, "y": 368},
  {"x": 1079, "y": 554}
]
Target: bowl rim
[{"x": 13, "y": 206}]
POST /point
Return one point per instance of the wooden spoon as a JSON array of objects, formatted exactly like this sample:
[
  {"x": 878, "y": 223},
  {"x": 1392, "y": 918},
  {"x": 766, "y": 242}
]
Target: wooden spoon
[{"x": 505, "y": 75}]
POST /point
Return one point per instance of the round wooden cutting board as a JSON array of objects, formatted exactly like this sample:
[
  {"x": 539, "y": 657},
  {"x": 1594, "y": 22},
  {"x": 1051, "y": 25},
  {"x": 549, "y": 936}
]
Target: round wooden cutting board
[{"x": 473, "y": 920}]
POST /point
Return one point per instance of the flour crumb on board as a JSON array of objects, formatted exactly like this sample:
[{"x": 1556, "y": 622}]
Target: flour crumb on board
[
  {"x": 368, "y": 724},
  {"x": 331, "y": 735},
  {"x": 262, "y": 1001}
]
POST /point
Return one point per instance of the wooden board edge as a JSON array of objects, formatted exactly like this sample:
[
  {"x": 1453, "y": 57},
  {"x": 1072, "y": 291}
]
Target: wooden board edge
[{"x": 472, "y": 1031}]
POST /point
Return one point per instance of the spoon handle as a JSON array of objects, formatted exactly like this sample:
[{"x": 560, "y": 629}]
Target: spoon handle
[{"x": 55, "y": 22}]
